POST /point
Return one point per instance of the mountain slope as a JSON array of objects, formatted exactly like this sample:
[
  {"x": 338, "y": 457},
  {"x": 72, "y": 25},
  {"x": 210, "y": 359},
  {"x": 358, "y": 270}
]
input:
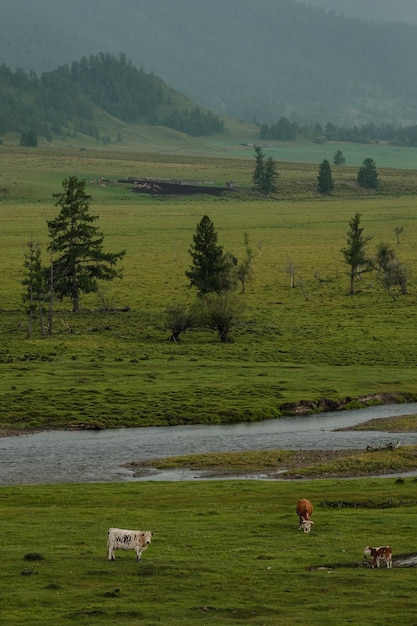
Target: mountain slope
[{"x": 249, "y": 59}]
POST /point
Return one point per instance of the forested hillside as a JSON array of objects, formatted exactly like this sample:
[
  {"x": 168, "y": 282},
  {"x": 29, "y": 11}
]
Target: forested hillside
[
  {"x": 72, "y": 96},
  {"x": 246, "y": 59}
]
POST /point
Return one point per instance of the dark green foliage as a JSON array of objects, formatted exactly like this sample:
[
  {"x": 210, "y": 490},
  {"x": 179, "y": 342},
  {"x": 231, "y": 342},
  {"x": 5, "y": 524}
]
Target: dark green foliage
[
  {"x": 339, "y": 158},
  {"x": 325, "y": 182},
  {"x": 68, "y": 98},
  {"x": 265, "y": 175},
  {"x": 34, "y": 284},
  {"x": 368, "y": 175},
  {"x": 28, "y": 139},
  {"x": 195, "y": 122},
  {"x": 283, "y": 130},
  {"x": 116, "y": 86},
  {"x": 211, "y": 268},
  {"x": 79, "y": 260},
  {"x": 355, "y": 253}
]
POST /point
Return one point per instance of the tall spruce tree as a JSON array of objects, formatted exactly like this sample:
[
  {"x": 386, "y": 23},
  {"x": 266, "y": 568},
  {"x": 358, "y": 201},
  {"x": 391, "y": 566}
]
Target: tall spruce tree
[
  {"x": 77, "y": 245},
  {"x": 354, "y": 253},
  {"x": 211, "y": 269},
  {"x": 325, "y": 182}
]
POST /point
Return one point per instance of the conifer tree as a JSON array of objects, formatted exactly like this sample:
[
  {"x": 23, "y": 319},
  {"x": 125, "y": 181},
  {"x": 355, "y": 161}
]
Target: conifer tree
[
  {"x": 368, "y": 175},
  {"x": 355, "y": 252},
  {"x": 79, "y": 258},
  {"x": 325, "y": 182},
  {"x": 211, "y": 268}
]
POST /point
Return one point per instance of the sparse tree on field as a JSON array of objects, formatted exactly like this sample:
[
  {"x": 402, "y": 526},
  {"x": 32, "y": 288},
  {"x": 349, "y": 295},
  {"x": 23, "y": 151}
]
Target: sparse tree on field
[
  {"x": 80, "y": 260},
  {"x": 391, "y": 271},
  {"x": 34, "y": 285},
  {"x": 338, "y": 158},
  {"x": 354, "y": 253},
  {"x": 290, "y": 269},
  {"x": 325, "y": 182},
  {"x": 220, "y": 312},
  {"x": 398, "y": 230},
  {"x": 244, "y": 270},
  {"x": 211, "y": 269},
  {"x": 179, "y": 318},
  {"x": 368, "y": 175}
]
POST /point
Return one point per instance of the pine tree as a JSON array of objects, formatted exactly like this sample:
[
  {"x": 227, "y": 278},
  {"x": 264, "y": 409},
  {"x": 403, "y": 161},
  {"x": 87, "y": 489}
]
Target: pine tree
[
  {"x": 355, "y": 253},
  {"x": 77, "y": 245},
  {"x": 368, "y": 175},
  {"x": 325, "y": 182},
  {"x": 211, "y": 268},
  {"x": 266, "y": 174}
]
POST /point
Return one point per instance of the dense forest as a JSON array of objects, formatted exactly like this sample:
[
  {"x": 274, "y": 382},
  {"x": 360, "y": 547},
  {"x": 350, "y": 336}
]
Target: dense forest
[
  {"x": 70, "y": 97},
  {"x": 241, "y": 58}
]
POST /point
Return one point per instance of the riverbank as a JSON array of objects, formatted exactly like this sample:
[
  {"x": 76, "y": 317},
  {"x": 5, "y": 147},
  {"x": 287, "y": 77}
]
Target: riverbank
[{"x": 287, "y": 464}]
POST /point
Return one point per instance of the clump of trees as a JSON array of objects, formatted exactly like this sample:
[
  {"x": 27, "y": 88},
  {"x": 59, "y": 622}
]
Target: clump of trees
[
  {"x": 265, "y": 175},
  {"x": 390, "y": 270},
  {"x": 215, "y": 275},
  {"x": 78, "y": 260}
]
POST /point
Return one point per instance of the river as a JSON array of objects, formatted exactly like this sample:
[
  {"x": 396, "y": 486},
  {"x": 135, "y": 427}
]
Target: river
[{"x": 53, "y": 457}]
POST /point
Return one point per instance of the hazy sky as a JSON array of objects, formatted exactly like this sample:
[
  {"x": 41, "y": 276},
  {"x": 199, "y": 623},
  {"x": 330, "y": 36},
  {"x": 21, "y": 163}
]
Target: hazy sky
[{"x": 377, "y": 10}]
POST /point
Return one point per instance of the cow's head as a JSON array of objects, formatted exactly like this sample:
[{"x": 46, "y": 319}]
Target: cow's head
[
  {"x": 306, "y": 525},
  {"x": 146, "y": 537}
]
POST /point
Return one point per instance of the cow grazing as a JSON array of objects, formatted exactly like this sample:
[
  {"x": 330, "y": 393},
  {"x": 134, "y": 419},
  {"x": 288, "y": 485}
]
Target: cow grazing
[
  {"x": 120, "y": 539},
  {"x": 383, "y": 553},
  {"x": 304, "y": 511}
]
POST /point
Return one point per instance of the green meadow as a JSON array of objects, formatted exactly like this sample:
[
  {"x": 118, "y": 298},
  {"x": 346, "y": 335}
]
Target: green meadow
[
  {"x": 113, "y": 365},
  {"x": 223, "y": 552}
]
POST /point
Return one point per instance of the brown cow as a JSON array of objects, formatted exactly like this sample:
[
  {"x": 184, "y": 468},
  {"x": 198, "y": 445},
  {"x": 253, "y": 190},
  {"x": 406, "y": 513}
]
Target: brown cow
[
  {"x": 304, "y": 511},
  {"x": 383, "y": 553}
]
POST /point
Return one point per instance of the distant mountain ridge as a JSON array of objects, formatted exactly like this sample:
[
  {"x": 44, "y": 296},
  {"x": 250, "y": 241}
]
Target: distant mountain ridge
[{"x": 247, "y": 59}]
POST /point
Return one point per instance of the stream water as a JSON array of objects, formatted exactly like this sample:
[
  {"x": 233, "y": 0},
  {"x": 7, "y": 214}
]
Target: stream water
[{"x": 98, "y": 456}]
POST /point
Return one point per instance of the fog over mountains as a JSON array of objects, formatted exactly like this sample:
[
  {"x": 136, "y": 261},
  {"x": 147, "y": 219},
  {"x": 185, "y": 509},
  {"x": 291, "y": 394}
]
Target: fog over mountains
[
  {"x": 255, "y": 60},
  {"x": 374, "y": 10}
]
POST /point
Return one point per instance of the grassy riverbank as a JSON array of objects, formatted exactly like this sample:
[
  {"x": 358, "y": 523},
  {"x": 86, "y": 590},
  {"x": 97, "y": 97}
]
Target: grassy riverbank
[{"x": 222, "y": 551}]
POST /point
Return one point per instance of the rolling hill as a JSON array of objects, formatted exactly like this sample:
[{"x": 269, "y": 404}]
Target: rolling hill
[{"x": 247, "y": 59}]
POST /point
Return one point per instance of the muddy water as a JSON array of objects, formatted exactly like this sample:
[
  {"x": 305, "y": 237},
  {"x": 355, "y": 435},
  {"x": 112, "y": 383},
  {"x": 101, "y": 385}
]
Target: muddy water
[{"x": 89, "y": 456}]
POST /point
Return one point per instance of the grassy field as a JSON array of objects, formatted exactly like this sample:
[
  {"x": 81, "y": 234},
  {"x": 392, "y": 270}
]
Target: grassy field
[
  {"x": 223, "y": 552},
  {"x": 110, "y": 368}
]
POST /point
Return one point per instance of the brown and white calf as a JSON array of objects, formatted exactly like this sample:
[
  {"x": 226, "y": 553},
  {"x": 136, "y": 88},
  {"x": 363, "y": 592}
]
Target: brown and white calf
[
  {"x": 120, "y": 539},
  {"x": 383, "y": 553},
  {"x": 304, "y": 511}
]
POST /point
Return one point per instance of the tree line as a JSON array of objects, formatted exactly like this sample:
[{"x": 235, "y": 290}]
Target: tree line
[
  {"x": 286, "y": 130},
  {"x": 266, "y": 174},
  {"x": 78, "y": 261}
]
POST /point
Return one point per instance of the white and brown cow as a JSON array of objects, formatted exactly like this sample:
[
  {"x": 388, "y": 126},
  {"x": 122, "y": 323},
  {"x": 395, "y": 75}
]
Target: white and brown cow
[
  {"x": 121, "y": 539},
  {"x": 383, "y": 553},
  {"x": 304, "y": 510}
]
